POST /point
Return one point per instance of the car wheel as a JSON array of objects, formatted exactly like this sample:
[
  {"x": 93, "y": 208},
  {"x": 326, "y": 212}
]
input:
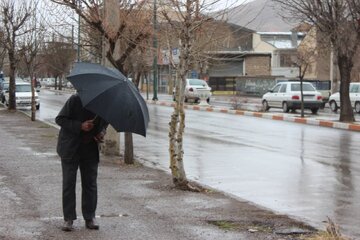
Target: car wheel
[
  {"x": 357, "y": 107},
  {"x": 38, "y": 106},
  {"x": 314, "y": 110},
  {"x": 265, "y": 106},
  {"x": 186, "y": 100},
  {"x": 333, "y": 106},
  {"x": 285, "y": 107},
  {"x": 208, "y": 100}
]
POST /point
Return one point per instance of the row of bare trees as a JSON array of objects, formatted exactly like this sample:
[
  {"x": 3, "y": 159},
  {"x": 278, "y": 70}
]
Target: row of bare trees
[
  {"x": 24, "y": 48},
  {"x": 14, "y": 19},
  {"x": 338, "y": 22}
]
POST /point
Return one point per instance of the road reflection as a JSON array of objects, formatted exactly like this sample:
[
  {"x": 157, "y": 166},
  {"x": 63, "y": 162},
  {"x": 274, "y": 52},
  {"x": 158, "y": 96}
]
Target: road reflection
[{"x": 301, "y": 170}]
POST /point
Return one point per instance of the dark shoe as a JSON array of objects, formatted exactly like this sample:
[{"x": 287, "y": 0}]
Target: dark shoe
[
  {"x": 68, "y": 226},
  {"x": 91, "y": 224}
]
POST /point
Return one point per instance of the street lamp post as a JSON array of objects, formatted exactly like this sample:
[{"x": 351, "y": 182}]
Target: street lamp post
[
  {"x": 155, "y": 62},
  {"x": 79, "y": 28}
]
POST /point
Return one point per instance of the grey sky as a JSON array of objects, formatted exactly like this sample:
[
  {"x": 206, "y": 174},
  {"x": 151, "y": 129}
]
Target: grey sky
[{"x": 230, "y": 3}]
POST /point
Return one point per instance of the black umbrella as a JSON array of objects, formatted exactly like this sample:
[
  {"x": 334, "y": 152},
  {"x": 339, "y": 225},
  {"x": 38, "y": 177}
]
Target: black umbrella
[{"x": 109, "y": 94}]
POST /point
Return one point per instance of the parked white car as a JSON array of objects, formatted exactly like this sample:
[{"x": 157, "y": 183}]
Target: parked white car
[
  {"x": 287, "y": 95},
  {"x": 354, "y": 93},
  {"x": 23, "y": 95},
  {"x": 195, "y": 89}
]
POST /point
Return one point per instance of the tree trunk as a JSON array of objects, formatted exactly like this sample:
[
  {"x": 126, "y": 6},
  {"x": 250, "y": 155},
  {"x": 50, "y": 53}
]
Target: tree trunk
[
  {"x": 129, "y": 149},
  {"x": 60, "y": 82},
  {"x": 136, "y": 79},
  {"x": 346, "y": 110},
  {"x": 176, "y": 150},
  {"x": 56, "y": 83},
  {"x": 301, "y": 94},
  {"x": 33, "y": 103},
  {"x": 177, "y": 126},
  {"x": 177, "y": 123},
  {"x": 12, "y": 96},
  {"x": 111, "y": 146}
]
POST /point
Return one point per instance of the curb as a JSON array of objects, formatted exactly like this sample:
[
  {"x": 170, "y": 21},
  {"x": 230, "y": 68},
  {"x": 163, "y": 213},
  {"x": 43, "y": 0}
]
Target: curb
[{"x": 309, "y": 121}]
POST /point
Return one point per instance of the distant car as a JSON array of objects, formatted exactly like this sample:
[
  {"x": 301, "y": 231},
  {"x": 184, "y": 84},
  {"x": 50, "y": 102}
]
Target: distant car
[
  {"x": 287, "y": 95},
  {"x": 4, "y": 87},
  {"x": 194, "y": 89},
  {"x": 354, "y": 94},
  {"x": 37, "y": 85},
  {"x": 23, "y": 95}
]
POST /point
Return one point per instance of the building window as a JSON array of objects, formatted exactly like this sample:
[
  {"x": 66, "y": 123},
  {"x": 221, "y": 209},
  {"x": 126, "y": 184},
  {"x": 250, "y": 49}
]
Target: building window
[{"x": 285, "y": 61}]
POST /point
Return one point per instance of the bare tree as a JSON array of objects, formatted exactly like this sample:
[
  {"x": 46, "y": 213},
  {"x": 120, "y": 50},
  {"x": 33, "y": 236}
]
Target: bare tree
[
  {"x": 138, "y": 64},
  {"x": 194, "y": 31},
  {"x": 132, "y": 29},
  {"x": 91, "y": 44},
  {"x": 14, "y": 16},
  {"x": 307, "y": 53},
  {"x": 338, "y": 21},
  {"x": 28, "y": 54},
  {"x": 58, "y": 57}
]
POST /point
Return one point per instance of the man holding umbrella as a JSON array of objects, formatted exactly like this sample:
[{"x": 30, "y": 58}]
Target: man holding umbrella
[{"x": 80, "y": 133}]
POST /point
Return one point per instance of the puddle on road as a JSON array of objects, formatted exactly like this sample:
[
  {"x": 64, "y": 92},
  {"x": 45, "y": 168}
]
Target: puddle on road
[
  {"x": 44, "y": 154},
  {"x": 109, "y": 215}
]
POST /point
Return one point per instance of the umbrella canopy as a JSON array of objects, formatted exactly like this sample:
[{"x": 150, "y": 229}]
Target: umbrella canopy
[{"x": 109, "y": 94}]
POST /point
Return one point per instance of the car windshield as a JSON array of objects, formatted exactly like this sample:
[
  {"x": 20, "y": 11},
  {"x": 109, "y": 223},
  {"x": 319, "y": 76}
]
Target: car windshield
[
  {"x": 23, "y": 88},
  {"x": 6, "y": 86},
  {"x": 197, "y": 82},
  {"x": 354, "y": 88},
  {"x": 306, "y": 87}
]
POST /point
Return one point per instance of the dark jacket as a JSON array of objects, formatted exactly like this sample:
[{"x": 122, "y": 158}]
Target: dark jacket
[{"x": 70, "y": 119}]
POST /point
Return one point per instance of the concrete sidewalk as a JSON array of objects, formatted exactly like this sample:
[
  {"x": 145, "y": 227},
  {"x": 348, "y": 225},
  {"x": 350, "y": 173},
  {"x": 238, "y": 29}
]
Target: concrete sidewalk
[{"x": 135, "y": 202}]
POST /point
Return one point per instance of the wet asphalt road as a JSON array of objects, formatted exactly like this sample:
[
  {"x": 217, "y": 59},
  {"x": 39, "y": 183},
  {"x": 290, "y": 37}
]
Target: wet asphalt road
[{"x": 304, "y": 171}]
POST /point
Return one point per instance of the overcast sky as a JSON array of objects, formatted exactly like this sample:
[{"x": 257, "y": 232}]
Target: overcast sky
[{"x": 230, "y": 3}]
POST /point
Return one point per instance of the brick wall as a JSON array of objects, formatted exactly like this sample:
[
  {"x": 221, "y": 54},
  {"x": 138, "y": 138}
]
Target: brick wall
[{"x": 258, "y": 65}]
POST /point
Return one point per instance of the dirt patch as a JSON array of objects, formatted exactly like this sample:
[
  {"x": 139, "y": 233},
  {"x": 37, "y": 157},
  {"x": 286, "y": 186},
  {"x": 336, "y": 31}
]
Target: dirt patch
[{"x": 290, "y": 230}]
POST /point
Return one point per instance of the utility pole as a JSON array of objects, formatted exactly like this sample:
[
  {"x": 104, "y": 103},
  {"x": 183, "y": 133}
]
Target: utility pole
[
  {"x": 155, "y": 62},
  {"x": 197, "y": 10},
  {"x": 78, "y": 45},
  {"x": 31, "y": 67},
  {"x": 72, "y": 37}
]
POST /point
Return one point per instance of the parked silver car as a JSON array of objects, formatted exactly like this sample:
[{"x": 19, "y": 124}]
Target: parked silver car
[
  {"x": 195, "y": 89},
  {"x": 287, "y": 95},
  {"x": 23, "y": 95},
  {"x": 354, "y": 94}
]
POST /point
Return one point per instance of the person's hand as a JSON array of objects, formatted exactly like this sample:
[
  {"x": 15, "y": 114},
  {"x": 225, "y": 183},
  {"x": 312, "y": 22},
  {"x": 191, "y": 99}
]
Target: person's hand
[
  {"x": 100, "y": 137},
  {"x": 87, "y": 125}
]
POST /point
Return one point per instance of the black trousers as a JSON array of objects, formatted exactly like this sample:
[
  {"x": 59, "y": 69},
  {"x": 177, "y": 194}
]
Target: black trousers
[{"x": 87, "y": 159}]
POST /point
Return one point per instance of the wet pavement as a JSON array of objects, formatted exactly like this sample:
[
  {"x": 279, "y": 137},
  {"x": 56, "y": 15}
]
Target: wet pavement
[
  {"x": 135, "y": 202},
  {"x": 304, "y": 171},
  {"x": 307, "y": 172}
]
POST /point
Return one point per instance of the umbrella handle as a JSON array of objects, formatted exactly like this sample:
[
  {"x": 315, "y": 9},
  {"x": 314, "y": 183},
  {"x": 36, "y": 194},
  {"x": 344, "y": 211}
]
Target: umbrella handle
[{"x": 95, "y": 119}]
